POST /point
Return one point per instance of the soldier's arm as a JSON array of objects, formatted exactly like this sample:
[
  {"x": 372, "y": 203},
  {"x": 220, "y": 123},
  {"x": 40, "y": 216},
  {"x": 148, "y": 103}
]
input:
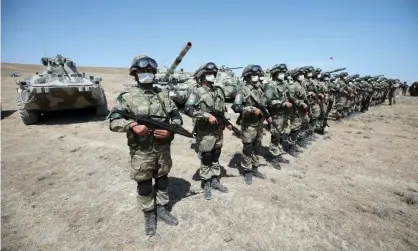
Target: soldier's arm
[
  {"x": 119, "y": 123},
  {"x": 239, "y": 105},
  {"x": 269, "y": 94},
  {"x": 173, "y": 112},
  {"x": 190, "y": 108}
]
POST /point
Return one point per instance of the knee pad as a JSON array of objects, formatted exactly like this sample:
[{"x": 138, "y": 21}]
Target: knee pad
[
  {"x": 216, "y": 153},
  {"x": 248, "y": 148},
  {"x": 144, "y": 188},
  {"x": 206, "y": 158},
  {"x": 162, "y": 182}
]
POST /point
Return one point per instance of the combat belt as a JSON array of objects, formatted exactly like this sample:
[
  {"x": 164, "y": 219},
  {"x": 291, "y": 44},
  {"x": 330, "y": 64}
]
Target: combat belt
[{"x": 152, "y": 124}]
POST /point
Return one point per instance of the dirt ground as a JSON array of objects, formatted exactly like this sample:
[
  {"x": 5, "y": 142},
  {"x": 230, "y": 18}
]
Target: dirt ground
[{"x": 65, "y": 186}]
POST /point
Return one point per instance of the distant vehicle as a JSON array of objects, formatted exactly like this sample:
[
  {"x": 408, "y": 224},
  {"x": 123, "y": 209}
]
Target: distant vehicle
[{"x": 58, "y": 87}]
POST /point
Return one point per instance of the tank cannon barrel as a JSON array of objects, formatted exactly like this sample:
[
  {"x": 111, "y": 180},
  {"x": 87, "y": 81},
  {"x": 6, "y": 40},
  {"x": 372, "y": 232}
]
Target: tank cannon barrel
[
  {"x": 378, "y": 76},
  {"x": 178, "y": 59},
  {"x": 336, "y": 70},
  {"x": 234, "y": 68}
]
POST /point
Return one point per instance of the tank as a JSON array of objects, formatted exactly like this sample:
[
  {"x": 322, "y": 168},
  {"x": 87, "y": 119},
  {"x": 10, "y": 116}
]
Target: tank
[
  {"x": 228, "y": 81},
  {"x": 59, "y": 86},
  {"x": 177, "y": 83}
]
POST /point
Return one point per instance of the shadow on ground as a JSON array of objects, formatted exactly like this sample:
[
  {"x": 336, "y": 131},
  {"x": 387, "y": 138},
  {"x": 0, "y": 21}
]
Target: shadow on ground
[
  {"x": 64, "y": 117},
  {"x": 6, "y": 113}
]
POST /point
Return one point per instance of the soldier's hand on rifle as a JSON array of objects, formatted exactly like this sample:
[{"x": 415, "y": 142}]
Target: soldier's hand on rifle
[
  {"x": 257, "y": 111},
  {"x": 229, "y": 127},
  {"x": 161, "y": 134},
  {"x": 321, "y": 96},
  {"x": 305, "y": 106},
  {"x": 269, "y": 119},
  {"x": 212, "y": 120},
  {"x": 140, "y": 130},
  {"x": 288, "y": 105}
]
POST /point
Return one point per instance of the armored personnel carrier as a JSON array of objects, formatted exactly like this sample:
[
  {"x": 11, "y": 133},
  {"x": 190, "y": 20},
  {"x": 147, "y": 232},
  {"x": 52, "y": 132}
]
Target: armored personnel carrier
[
  {"x": 177, "y": 83},
  {"x": 59, "y": 87}
]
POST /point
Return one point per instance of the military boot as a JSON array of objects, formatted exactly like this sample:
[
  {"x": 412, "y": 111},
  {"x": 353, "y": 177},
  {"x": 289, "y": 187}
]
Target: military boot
[
  {"x": 248, "y": 177},
  {"x": 301, "y": 140},
  {"x": 166, "y": 216},
  {"x": 207, "y": 193},
  {"x": 257, "y": 173},
  {"x": 218, "y": 186},
  {"x": 150, "y": 223}
]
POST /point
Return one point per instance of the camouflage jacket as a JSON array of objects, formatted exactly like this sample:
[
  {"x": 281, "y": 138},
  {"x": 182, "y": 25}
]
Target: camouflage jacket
[
  {"x": 342, "y": 88},
  {"x": 276, "y": 96},
  {"x": 198, "y": 106},
  {"x": 245, "y": 106},
  {"x": 297, "y": 93},
  {"x": 139, "y": 101}
]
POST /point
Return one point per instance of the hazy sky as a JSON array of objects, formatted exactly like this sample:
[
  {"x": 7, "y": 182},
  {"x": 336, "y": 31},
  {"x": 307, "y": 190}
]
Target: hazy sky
[{"x": 368, "y": 37}]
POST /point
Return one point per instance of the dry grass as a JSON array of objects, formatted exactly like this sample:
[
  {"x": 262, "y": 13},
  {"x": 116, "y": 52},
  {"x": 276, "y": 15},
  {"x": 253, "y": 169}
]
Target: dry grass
[{"x": 65, "y": 186}]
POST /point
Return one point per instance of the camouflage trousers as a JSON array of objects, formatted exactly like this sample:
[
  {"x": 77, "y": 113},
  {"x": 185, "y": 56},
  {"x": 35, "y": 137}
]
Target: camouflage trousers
[
  {"x": 144, "y": 167},
  {"x": 314, "y": 116},
  {"x": 282, "y": 120},
  {"x": 298, "y": 119},
  {"x": 251, "y": 140},
  {"x": 209, "y": 146},
  {"x": 392, "y": 98},
  {"x": 339, "y": 106}
]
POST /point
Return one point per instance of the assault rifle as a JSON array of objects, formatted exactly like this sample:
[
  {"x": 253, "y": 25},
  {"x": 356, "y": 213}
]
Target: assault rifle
[
  {"x": 152, "y": 124},
  {"x": 220, "y": 117},
  {"x": 265, "y": 113}
]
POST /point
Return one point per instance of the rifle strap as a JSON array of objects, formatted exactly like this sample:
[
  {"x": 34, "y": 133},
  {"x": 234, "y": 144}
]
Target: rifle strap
[{"x": 162, "y": 104}]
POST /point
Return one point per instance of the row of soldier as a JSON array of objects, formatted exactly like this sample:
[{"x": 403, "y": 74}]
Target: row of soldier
[{"x": 296, "y": 105}]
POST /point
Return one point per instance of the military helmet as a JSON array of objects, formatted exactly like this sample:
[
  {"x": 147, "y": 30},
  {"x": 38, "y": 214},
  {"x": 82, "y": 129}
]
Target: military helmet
[
  {"x": 142, "y": 62},
  {"x": 309, "y": 69},
  {"x": 208, "y": 68},
  {"x": 278, "y": 68},
  {"x": 297, "y": 72},
  {"x": 326, "y": 75},
  {"x": 250, "y": 69},
  {"x": 343, "y": 74}
]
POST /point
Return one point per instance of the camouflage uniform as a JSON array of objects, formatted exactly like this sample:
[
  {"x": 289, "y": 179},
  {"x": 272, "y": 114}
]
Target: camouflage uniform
[
  {"x": 251, "y": 123},
  {"x": 305, "y": 116},
  {"x": 393, "y": 86},
  {"x": 150, "y": 156},
  {"x": 276, "y": 92},
  {"x": 209, "y": 137},
  {"x": 322, "y": 90},
  {"x": 298, "y": 119},
  {"x": 342, "y": 94},
  {"x": 328, "y": 99}
]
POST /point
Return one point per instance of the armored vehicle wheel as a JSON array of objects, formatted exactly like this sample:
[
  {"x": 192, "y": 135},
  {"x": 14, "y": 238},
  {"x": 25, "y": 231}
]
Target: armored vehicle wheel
[
  {"x": 28, "y": 117},
  {"x": 102, "y": 110}
]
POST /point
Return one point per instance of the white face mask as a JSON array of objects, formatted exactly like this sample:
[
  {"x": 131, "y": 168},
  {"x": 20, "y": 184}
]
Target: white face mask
[
  {"x": 310, "y": 74},
  {"x": 326, "y": 79},
  {"x": 254, "y": 79},
  {"x": 261, "y": 78},
  {"x": 345, "y": 78},
  {"x": 280, "y": 76},
  {"x": 318, "y": 76},
  {"x": 210, "y": 78},
  {"x": 145, "y": 78},
  {"x": 301, "y": 77}
]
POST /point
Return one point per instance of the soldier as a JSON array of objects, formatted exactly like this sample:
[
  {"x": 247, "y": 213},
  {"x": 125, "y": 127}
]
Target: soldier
[
  {"x": 314, "y": 108},
  {"x": 327, "y": 99},
  {"x": 251, "y": 120},
  {"x": 299, "y": 118},
  {"x": 150, "y": 151},
  {"x": 342, "y": 94},
  {"x": 209, "y": 133},
  {"x": 393, "y": 86},
  {"x": 277, "y": 100},
  {"x": 322, "y": 93},
  {"x": 404, "y": 88}
]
